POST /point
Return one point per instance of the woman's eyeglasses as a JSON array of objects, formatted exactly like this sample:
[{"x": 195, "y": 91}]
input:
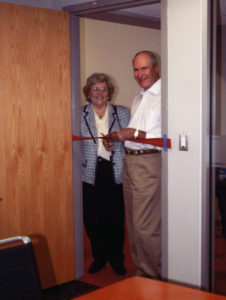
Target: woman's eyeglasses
[{"x": 96, "y": 89}]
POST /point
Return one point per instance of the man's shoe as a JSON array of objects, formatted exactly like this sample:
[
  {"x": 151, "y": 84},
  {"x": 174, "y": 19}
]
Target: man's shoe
[
  {"x": 96, "y": 266},
  {"x": 119, "y": 269}
]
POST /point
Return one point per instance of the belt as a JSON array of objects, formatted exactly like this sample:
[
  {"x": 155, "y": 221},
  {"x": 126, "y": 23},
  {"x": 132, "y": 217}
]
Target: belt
[{"x": 140, "y": 152}]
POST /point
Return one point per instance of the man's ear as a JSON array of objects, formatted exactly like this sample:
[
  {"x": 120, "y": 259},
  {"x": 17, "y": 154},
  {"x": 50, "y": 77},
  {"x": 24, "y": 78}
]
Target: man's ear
[{"x": 157, "y": 69}]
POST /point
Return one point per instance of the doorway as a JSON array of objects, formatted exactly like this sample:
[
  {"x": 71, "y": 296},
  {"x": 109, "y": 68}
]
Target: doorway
[{"x": 121, "y": 41}]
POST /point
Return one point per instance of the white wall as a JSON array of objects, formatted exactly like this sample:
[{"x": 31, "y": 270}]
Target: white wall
[
  {"x": 109, "y": 47},
  {"x": 186, "y": 52}
]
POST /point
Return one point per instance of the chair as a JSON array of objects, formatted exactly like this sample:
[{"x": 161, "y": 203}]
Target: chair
[{"x": 19, "y": 278}]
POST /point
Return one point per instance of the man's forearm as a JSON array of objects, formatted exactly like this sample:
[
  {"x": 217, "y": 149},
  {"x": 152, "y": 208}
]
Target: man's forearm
[{"x": 126, "y": 134}]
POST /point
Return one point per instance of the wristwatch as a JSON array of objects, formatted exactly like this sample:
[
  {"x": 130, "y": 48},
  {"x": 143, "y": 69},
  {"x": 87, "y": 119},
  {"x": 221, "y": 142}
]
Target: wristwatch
[{"x": 136, "y": 133}]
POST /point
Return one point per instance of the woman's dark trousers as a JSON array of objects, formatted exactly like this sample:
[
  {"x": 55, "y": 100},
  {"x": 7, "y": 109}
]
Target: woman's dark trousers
[{"x": 103, "y": 210}]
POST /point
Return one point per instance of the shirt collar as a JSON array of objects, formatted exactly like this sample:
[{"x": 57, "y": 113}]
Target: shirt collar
[{"x": 154, "y": 89}]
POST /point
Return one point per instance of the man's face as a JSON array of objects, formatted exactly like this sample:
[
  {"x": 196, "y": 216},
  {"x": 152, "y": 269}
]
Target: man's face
[{"x": 144, "y": 73}]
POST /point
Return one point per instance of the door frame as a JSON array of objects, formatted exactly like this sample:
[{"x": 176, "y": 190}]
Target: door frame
[{"x": 84, "y": 10}]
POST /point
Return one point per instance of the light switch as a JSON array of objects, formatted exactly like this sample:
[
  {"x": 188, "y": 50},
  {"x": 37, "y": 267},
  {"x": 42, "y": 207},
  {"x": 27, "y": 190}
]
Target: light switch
[{"x": 183, "y": 142}]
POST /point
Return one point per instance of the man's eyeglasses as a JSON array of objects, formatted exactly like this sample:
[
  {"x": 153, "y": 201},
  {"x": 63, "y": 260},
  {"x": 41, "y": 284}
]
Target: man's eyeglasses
[{"x": 96, "y": 89}]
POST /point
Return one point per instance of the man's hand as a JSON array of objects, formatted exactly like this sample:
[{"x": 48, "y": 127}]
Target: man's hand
[{"x": 121, "y": 135}]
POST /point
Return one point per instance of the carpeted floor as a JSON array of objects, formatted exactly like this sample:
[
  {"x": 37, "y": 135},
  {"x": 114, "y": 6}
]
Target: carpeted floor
[{"x": 68, "y": 290}]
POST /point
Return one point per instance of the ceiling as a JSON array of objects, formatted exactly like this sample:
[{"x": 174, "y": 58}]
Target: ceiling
[{"x": 152, "y": 10}]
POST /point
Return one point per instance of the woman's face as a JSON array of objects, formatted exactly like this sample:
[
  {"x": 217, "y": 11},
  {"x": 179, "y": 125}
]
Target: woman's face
[{"x": 99, "y": 94}]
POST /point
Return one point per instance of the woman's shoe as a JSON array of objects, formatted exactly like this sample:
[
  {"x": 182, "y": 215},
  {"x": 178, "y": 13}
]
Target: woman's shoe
[
  {"x": 96, "y": 266},
  {"x": 119, "y": 269}
]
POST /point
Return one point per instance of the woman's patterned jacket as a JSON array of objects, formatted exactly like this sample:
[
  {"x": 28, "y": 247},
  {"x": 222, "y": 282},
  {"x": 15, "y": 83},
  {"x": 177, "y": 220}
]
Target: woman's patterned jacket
[{"x": 118, "y": 118}]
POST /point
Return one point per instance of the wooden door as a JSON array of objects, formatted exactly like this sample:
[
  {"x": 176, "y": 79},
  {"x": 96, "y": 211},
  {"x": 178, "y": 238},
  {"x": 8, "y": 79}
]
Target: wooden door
[{"x": 35, "y": 136}]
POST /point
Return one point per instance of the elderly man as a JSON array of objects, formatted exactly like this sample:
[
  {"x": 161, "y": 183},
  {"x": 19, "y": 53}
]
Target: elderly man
[{"x": 142, "y": 168}]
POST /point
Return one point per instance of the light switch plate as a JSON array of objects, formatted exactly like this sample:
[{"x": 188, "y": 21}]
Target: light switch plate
[{"x": 183, "y": 142}]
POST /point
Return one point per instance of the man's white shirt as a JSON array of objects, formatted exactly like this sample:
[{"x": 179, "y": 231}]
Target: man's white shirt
[{"x": 146, "y": 115}]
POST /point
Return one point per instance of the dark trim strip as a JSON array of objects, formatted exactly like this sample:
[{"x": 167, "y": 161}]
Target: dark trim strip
[
  {"x": 105, "y": 5},
  {"x": 76, "y": 147},
  {"x": 127, "y": 18}
]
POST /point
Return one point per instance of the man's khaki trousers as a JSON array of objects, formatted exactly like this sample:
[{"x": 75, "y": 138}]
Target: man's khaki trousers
[{"x": 142, "y": 196}]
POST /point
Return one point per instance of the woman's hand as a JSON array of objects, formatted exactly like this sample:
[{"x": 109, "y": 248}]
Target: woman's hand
[{"x": 108, "y": 144}]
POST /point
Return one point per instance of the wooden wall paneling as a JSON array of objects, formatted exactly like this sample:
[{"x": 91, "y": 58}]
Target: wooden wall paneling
[{"x": 35, "y": 136}]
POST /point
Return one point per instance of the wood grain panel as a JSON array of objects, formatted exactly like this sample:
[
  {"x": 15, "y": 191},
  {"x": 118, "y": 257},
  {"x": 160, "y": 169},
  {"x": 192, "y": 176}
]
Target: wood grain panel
[{"x": 35, "y": 135}]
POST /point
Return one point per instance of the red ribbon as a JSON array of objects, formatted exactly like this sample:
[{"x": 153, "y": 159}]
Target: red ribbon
[{"x": 159, "y": 142}]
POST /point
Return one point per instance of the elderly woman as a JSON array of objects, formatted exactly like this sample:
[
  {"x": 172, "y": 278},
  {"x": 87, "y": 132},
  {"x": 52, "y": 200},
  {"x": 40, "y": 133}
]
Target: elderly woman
[{"x": 102, "y": 164}]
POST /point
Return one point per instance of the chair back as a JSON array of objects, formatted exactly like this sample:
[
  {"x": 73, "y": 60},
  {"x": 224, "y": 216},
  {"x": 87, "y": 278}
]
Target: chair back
[{"x": 19, "y": 278}]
